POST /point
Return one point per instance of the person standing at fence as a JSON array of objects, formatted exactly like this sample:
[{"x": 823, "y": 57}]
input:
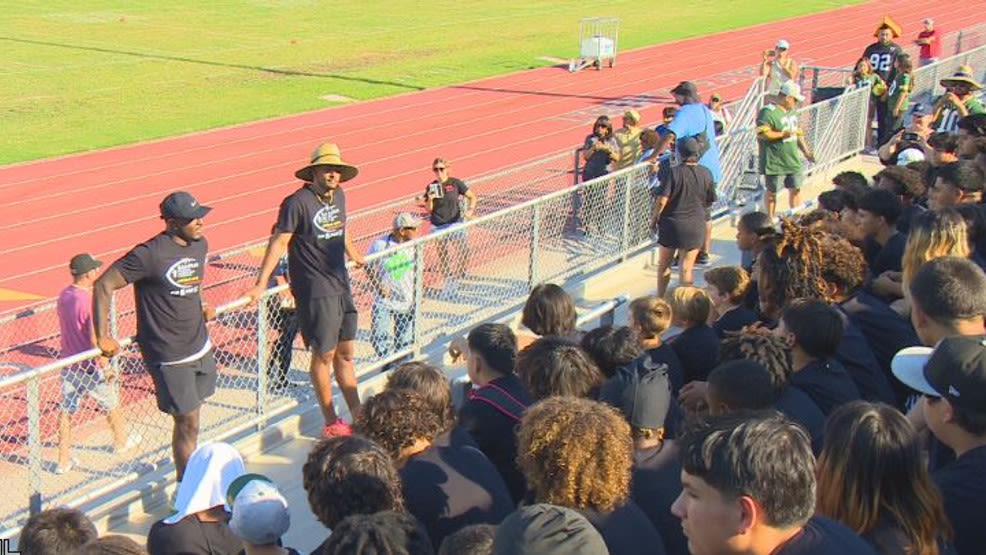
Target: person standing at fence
[
  {"x": 693, "y": 119},
  {"x": 392, "y": 328},
  {"x": 628, "y": 140},
  {"x": 958, "y": 100},
  {"x": 167, "y": 273},
  {"x": 896, "y": 98},
  {"x": 778, "y": 67},
  {"x": 599, "y": 150},
  {"x": 720, "y": 113},
  {"x": 282, "y": 317},
  {"x": 882, "y": 54},
  {"x": 928, "y": 40},
  {"x": 93, "y": 377},
  {"x": 781, "y": 138},
  {"x": 311, "y": 227},
  {"x": 679, "y": 215},
  {"x": 865, "y": 76},
  {"x": 444, "y": 199}
]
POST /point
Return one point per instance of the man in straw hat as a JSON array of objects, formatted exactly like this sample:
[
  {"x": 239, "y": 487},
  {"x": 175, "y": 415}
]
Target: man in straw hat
[
  {"x": 884, "y": 51},
  {"x": 311, "y": 226},
  {"x": 958, "y": 100}
]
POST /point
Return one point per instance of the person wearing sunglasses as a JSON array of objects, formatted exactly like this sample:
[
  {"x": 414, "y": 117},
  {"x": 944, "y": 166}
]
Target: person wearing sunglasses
[{"x": 444, "y": 198}]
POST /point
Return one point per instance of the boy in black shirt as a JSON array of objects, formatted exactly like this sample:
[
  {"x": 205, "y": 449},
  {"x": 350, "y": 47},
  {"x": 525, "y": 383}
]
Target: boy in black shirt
[
  {"x": 167, "y": 273},
  {"x": 813, "y": 331},
  {"x": 878, "y": 213},
  {"x": 496, "y": 402},
  {"x": 311, "y": 227},
  {"x": 952, "y": 379},
  {"x": 749, "y": 487}
]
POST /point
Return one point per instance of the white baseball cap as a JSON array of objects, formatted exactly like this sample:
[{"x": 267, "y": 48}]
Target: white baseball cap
[
  {"x": 790, "y": 88},
  {"x": 783, "y": 45},
  {"x": 909, "y": 155}
]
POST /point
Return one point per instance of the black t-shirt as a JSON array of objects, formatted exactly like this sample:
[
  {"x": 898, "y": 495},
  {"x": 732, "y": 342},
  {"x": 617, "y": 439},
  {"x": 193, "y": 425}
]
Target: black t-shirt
[
  {"x": 449, "y": 488},
  {"x": 445, "y": 200},
  {"x": 317, "y": 251},
  {"x": 882, "y": 57},
  {"x": 656, "y": 484},
  {"x": 689, "y": 190},
  {"x": 821, "y": 536},
  {"x": 626, "y": 530},
  {"x": 887, "y": 257},
  {"x": 886, "y": 332},
  {"x": 797, "y": 405},
  {"x": 827, "y": 383},
  {"x": 495, "y": 432},
  {"x": 734, "y": 319},
  {"x": 167, "y": 279},
  {"x": 698, "y": 349},
  {"x": 189, "y": 536},
  {"x": 664, "y": 354},
  {"x": 857, "y": 358},
  {"x": 963, "y": 486},
  {"x": 907, "y": 216}
]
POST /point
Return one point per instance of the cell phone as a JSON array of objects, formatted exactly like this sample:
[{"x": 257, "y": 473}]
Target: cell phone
[
  {"x": 435, "y": 190},
  {"x": 772, "y": 53},
  {"x": 909, "y": 136}
]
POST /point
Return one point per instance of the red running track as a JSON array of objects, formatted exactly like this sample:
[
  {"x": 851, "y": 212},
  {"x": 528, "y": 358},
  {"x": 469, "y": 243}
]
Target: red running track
[{"x": 105, "y": 201}]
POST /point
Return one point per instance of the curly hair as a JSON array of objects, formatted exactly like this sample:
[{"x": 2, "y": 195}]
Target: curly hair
[
  {"x": 845, "y": 266},
  {"x": 791, "y": 267},
  {"x": 351, "y": 475},
  {"x": 385, "y": 532},
  {"x": 430, "y": 383},
  {"x": 576, "y": 453},
  {"x": 759, "y": 344},
  {"x": 904, "y": 182},
  {"x": 396, "y": 418},
  {"x": 555, "y": 366}
]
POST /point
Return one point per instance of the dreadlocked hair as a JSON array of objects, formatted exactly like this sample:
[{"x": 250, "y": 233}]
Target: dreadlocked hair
[
  {"x": 759, "y": 344},
  {"x": 791, "y": 266}
]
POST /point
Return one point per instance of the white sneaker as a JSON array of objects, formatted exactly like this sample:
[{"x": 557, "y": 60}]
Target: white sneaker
[
  {"x": 61, "y": 470},
  {"x": 132, "y": 441}
]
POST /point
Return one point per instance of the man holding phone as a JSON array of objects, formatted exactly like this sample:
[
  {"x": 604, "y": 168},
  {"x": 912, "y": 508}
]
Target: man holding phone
[
  {"x": 912, "y": 137},
  {"x": 778, "y": 66}
]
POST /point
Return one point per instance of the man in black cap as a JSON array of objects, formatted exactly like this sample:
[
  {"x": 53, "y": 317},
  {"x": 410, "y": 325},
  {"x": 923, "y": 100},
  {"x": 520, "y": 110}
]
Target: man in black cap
[
  {"x": 952, "y": 379},
  {"x": 93, "y": 378},
  {"x": 167, "y": 272},
  {"x": 642, "y": 392},
  {"x": 311, "y": 228}
]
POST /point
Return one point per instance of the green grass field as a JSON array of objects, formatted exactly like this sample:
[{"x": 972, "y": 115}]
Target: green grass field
[{"x": 87, "y": 74}]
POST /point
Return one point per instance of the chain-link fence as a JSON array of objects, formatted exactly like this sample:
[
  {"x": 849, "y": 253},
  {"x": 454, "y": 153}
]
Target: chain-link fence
[{"x": 820, "y": 83}]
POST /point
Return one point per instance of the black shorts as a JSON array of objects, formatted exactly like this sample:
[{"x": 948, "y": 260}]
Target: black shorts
[
  {"x": 325, "y": 321},
  {"x": 181, "y": 388}
]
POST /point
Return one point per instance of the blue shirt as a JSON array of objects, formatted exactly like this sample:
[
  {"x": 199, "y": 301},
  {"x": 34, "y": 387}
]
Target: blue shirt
[{"x": 689, "y": 121}]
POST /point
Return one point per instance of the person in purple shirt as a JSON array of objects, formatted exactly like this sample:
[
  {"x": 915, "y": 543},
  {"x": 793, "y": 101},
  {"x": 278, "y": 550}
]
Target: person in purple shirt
[{"x": 93, "y": 378}]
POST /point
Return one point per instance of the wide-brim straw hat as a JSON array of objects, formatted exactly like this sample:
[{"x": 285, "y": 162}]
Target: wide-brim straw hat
[
  {"x": 963, "y": 75},
  {"x": 888, "y": 23},
  {"x": 327, "y": 154}
]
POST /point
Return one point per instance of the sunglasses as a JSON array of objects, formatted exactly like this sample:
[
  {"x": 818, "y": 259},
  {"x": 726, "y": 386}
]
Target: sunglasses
[{"x": 439, "y": 169}]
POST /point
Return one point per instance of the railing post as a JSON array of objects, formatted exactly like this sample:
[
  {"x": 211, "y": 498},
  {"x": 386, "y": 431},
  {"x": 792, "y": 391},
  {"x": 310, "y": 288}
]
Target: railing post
[
  {"x": 419, "y": 297},
  {"x": 35, "y": 469},
  {"x": 625, "y": 235},
  {"x": 263, "y": 356},
  {"x": 534, "y": 248},
  {"x": 114, "y": 332},
  {"x": 576, "y": 166},
  {"x": 958, "y": 43}
]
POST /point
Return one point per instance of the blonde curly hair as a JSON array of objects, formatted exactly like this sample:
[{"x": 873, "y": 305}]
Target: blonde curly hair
[{"x": 576, "y": 453}]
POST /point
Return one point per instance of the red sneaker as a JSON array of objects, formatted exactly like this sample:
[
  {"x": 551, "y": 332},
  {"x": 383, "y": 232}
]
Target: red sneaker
[{"x": 336, "y": 429}]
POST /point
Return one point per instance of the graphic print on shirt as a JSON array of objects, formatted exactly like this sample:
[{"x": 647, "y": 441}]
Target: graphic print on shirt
[
  {"x": 882, "y": 61},
  {"x": 328, "y": 224},
  {"x": 790, "y": 123},
  {"x": 184, "y": 274}
]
